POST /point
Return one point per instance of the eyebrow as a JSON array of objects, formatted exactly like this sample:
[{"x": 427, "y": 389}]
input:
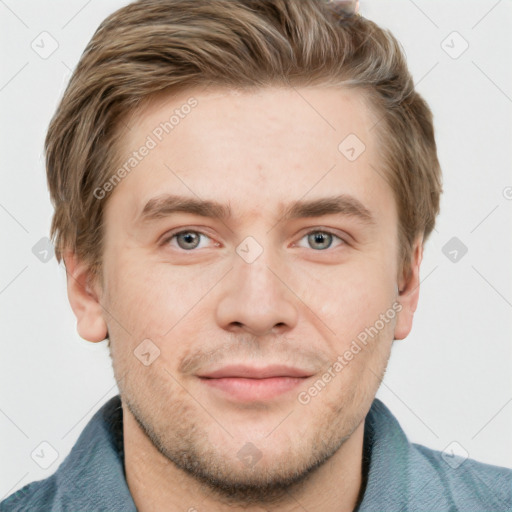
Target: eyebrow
[
  {"x": 341, "y": 204},
  {"x": 165, "y": 205}
]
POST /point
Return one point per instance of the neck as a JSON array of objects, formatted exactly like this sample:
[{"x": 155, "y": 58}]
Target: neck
[{"x": 156, "y": 484}]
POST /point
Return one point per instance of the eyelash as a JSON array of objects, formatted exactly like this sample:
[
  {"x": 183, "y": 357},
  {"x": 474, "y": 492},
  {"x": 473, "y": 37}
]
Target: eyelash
[{"x": 171, "y": 236}]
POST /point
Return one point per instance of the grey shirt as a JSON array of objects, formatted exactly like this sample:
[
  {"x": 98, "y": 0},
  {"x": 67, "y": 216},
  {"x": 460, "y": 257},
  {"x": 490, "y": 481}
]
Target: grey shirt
[{"x": 399, "y": 476}]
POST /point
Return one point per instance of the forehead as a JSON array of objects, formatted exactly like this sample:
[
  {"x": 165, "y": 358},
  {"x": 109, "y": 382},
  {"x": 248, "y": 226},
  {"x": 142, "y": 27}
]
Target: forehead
[{"x": 254, "y": 150}]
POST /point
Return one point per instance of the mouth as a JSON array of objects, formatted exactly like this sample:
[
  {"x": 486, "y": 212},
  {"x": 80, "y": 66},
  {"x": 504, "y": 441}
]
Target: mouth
[{"x": 245, "y": 383}]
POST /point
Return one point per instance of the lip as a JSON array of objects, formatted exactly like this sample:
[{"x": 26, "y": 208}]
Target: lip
[
  {"x": 242, "y": 383},
  {"x": 251, "y": 372}
]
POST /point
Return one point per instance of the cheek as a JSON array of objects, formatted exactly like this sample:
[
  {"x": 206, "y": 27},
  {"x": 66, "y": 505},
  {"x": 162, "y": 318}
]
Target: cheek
[
  {"x": 349, "y": 297},
  {"x": 150, "y": 299}
]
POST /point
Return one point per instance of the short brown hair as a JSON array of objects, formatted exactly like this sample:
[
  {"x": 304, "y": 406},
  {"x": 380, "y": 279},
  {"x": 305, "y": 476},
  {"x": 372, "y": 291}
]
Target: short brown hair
[{"x": 152, "y": 46}]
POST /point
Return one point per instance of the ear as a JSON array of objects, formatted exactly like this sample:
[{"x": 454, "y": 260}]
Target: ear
[
  {"x": 409, "y": 292},
  {"x": 83, "y": 294}
]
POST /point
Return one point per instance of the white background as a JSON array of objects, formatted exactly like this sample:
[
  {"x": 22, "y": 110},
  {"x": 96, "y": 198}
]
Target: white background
[{"x": 451, "y": 379}]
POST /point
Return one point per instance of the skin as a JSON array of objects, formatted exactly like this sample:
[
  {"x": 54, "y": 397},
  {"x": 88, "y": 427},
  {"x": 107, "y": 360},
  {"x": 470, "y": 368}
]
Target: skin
[{"x": 301, "y": 302}]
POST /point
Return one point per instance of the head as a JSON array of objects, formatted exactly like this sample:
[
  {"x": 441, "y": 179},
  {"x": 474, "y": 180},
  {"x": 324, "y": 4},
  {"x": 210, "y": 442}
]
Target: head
[{"x": 243, "y": 182}]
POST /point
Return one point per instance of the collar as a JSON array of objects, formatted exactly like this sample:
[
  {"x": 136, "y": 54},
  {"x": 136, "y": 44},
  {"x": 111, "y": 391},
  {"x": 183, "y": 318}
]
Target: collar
[
  {"x": 386, "y": 453},
  {"x": 93, "y": 476}
]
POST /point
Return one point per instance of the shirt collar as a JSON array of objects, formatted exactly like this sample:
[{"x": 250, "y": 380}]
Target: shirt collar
[
  {"x": 386, "y": 454},
  {"x": 93, "y": 475}
]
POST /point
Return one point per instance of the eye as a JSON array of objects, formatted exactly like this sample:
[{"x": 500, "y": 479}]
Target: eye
[
  {"x": 186, "y": 240},
  {"x": 321, "y": 240},
  {"x": 190, "y": 239}
]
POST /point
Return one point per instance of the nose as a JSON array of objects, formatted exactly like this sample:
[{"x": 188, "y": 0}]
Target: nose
[{"x": 256, "y": 298}]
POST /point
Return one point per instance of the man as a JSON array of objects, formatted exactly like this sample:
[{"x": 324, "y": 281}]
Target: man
[{"x": 242, "y": 192}]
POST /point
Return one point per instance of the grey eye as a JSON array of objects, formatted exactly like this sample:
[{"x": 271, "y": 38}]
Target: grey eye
[
  {"x": 188, "y": 239},
  {"x": 321, "y": 239}
]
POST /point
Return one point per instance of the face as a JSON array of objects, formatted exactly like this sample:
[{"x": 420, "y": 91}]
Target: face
[{"x": 247, "y": 254}]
